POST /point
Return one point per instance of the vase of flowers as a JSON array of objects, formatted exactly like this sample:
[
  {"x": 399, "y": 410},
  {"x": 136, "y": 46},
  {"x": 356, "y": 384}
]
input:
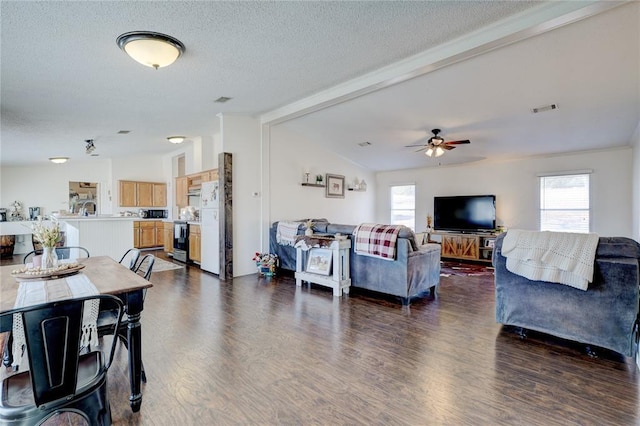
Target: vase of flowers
[
  {"x": 49, "y": 258},
  {"x": 308, "y": 228},
  {"x": 48, "y": 236},
  {"x": 267, "y": 263}
]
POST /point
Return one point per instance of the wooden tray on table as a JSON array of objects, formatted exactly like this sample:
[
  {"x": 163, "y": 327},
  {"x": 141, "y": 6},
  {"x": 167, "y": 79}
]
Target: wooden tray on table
[{"x": 64, "y": 270}]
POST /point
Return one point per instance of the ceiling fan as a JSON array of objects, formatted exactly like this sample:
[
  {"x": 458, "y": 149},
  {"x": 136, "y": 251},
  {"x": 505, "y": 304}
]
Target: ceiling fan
[{"x": 436, "y": 146}]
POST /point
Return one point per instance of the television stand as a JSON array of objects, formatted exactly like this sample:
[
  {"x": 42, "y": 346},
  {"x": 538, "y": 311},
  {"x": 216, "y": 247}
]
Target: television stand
[{"x": 467, "y": 246}]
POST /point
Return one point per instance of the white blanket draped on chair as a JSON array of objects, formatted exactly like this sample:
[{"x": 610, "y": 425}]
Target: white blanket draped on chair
[
  {"x": 286, "y": 233},
  {"x": 558, "y": 257},
  {"x": 36, "y": 292}
]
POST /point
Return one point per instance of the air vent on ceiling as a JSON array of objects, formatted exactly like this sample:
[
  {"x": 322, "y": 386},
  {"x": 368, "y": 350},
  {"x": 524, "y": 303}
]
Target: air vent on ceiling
[
  {"x": 544, "y": 108},
  {"x": 222, "y": 99},
  {"x": 365, "y": 143}
]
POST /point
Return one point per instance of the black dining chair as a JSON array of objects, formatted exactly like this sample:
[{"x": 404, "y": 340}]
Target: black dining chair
[
  {"x": 106, "y": 318},
  {"x": 62, "y": 377},
  {"x": 65, "y": 252},
  {"x": 145, "y": 266},
  {"x": 130, "y": 258}
]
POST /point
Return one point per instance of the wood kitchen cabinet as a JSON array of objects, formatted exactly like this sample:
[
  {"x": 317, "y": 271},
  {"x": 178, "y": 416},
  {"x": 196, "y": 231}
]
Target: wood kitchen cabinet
[
  {"x": 182, "y": 188},
  {"x": 127, "y": 195},
  {"x": 167, "y": 230},
  {"x": 148, "y": 233},
  {"x": 194, "y": 243},
  {"x": 159, "y": 194},
  {"x": 142, "y": 194}
]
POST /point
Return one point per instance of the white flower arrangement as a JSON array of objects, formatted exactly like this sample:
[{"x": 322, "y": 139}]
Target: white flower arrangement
[{"x": 46, "y": 235}]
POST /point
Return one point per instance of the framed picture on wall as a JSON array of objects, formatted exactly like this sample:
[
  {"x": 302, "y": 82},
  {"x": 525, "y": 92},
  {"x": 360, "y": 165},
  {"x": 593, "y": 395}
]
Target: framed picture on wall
[
  {"x": 319, "y": 261},
  {"x": 335, "y": 186}
]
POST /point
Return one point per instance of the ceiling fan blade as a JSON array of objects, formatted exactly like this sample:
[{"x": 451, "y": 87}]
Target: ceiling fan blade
[
  {"x": 421, "y": 149},
  {"x": 413, "y": 145},
  {"x": 447, "y": 147},
  {"x": 458, "y": 142}
]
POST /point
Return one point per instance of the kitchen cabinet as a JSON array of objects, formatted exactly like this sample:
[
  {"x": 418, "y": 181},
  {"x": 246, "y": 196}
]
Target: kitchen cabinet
[
  {"x": 167, "y": 230},
  {"x": 142, "y": 194},
  {"x": 182, "y": 188},
  {"x": 127, "y": 195},
  {"x": 210, "y": 175},
  {"x": 194, "y": 243},
  {"x": 159, "y": 195},
  {"x": 192, "y": 182},
  {"x": 148, "y": 233}
]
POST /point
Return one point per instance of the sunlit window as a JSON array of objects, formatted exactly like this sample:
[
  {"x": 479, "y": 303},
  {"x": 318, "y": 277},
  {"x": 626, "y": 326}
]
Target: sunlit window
[
  {"x": 403, "y": 205},
  {"x": 564, "y": 203}
]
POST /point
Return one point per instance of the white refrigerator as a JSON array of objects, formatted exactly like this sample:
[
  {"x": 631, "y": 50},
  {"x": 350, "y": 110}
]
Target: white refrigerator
[{"x": 210, "y": 227}]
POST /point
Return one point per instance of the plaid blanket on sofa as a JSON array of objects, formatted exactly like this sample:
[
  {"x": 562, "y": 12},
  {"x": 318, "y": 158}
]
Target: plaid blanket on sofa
[{"x": 376, "y": 240}]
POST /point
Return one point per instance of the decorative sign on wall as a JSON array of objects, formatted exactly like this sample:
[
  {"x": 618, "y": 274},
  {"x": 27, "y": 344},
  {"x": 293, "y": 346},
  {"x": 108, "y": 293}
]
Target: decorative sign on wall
[{"x": 335, "y": 186}]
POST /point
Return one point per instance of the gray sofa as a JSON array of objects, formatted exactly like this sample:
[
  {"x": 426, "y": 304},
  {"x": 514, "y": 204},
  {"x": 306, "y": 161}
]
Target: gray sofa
[
  {"x": 414, "y": 273},
  {"x": 605, "y": 315}
]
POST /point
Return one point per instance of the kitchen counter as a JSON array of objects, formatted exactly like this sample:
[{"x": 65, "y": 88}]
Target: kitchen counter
[{"x": 101, "y": 235}]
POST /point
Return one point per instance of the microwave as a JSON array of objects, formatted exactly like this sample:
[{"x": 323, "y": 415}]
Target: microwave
[{"x": 153, "y": 213}]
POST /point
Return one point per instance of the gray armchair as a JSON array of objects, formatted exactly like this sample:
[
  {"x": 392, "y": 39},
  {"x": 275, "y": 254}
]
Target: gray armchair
[{"x": 606, "y": 315}]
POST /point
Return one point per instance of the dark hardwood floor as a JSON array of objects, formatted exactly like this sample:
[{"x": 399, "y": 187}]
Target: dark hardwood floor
[{"x": 262, "y": 351}]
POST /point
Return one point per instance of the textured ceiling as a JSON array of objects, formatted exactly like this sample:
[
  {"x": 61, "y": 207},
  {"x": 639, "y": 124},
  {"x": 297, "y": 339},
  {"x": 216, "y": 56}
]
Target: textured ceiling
[
  {"x": 590, "y": 69},
  {"x": 63, "y": 78}
]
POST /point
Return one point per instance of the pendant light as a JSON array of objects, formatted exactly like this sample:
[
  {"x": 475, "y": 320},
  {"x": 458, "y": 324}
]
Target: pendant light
[{"x": 151, "y": 49}]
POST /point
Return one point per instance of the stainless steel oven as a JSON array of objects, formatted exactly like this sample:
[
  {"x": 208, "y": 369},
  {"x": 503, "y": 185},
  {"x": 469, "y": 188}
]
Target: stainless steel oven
[{"x": 181, "y": 241}]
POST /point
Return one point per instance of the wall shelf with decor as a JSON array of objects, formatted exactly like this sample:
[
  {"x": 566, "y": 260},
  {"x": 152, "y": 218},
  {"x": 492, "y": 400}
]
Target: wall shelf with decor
[
  {"x": 358, "y": 186},
  {"x": 316, "y": 185}
]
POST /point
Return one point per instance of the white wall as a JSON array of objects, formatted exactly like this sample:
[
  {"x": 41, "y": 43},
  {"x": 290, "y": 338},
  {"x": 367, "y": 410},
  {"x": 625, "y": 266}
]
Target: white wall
[
  {"x": 291, "y": 155},
  {"x": 240, "y": 136},
  {"x": 515, "y": 184},
  {"x": 48, "y": 186},
  {"x": 636, "y": 185}
]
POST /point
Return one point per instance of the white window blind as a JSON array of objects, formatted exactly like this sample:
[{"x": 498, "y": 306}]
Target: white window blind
[
  {"x": 403, "y": 205},
  {"x": 564, "y": 203}
]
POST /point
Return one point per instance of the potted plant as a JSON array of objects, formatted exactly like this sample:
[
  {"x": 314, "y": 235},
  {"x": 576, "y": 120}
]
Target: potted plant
[{"x": 319, "y": 179}]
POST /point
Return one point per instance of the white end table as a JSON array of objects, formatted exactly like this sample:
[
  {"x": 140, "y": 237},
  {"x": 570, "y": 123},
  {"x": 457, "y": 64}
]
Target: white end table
[{"x": 339, "y": 279}]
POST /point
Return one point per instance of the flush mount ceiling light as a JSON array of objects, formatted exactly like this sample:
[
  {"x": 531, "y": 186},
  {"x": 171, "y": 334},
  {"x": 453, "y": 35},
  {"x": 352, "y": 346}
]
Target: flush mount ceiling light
[
  {"x": 151, "y": 49},
  {"x": 90, "y": 146},
  {"x": 58, "y": 160},
  {"x": 176, "y": 139}
]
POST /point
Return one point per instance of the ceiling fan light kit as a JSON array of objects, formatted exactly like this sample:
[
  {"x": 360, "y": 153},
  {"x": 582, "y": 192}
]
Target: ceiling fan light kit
[
  {"x": 151, "y": 49},
  {"x": 436, "y": 146}
]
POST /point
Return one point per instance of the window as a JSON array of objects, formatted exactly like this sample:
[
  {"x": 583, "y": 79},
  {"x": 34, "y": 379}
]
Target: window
[
  {"x": 564, "y": 203},
  {"x": 403, "y": 205}
]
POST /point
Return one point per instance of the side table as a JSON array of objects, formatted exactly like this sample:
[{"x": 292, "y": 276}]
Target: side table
[{"x": 339, "y": 279}]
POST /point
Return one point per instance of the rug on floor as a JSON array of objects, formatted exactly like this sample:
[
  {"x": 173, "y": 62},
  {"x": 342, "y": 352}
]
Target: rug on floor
[
  {"x": 448, "y": 268},
  {"x": 162, "y": 265}
]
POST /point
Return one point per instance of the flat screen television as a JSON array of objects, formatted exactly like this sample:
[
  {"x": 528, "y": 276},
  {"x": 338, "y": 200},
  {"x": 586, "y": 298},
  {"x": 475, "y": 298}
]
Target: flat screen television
[{"x": 464, "y": 213}]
